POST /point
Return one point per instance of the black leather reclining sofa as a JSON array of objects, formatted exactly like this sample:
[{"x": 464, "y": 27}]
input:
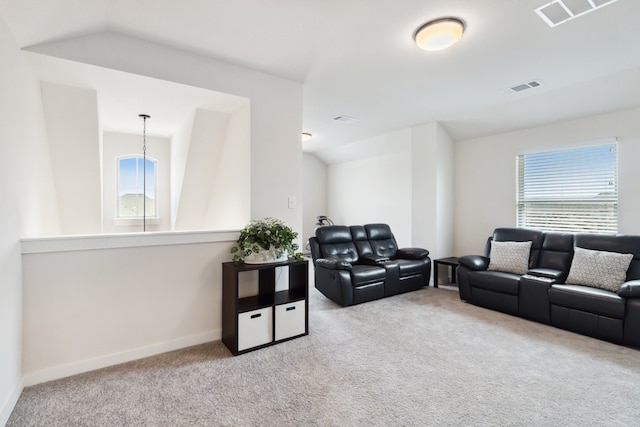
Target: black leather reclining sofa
[
  {"x": 541, "y": 294},
  {"x": 362, "y": 263}
]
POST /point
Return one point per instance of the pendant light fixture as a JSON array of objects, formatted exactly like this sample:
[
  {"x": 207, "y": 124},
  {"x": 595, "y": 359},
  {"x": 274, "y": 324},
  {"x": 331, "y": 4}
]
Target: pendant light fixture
[
  {"x": 144, "y": 170},
  {"x": 439, "y": 34}
]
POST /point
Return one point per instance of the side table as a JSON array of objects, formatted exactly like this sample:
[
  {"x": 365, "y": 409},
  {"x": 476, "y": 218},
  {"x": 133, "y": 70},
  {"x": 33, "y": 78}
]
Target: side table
[{"x": 450, "y": 262}]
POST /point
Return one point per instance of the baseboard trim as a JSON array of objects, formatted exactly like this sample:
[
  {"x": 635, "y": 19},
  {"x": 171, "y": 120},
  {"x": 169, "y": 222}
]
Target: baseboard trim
[
  {"x": 79, "y": 367},
  {"x": 8, "y": 406}
]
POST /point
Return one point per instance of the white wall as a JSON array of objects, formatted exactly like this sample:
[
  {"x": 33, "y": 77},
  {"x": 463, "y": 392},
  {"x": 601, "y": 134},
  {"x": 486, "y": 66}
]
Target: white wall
[
  {"x": 95, "y": 301},
  {"x": 179, "y": 154},
  {"x": 485, "y": 180},
  {"x": 71, "y": 115},
  {"x": 314, "y": 180},
  {"x": 432, "y": 195},
  {"x": 27, "y": 202},
  {"x": 205, "y": 150},
  {"x": 445, "y": 206},
  {"x": 230, "y": 203},
  {"x": 276, "y": 108},
  {"x": 376, "y": 189},
  {"x": 215, "y": 184},
  {"x": 120, "y": 144}
]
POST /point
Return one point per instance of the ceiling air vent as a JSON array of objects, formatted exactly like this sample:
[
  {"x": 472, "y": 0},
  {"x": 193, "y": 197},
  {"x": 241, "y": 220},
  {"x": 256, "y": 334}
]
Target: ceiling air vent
[
  {"x": 523, "y": 86},
  {"x": 346, "y": 119},
  {"x": 560, "y": 11}
]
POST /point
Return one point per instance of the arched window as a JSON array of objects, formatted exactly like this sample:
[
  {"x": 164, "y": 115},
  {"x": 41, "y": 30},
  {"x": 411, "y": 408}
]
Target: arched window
[{"x": 137, "y": 193}]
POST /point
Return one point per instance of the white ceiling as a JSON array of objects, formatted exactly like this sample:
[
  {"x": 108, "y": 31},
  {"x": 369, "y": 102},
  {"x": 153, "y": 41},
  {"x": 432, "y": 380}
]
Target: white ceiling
[{"x": 357, "y": 57}]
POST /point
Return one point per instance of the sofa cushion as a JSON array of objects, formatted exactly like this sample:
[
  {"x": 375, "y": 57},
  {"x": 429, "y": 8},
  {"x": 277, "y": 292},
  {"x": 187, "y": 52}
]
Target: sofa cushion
[
  {"x": 381, "y": 239},
  {"x": 497, "y": 281},
  {"x": 359, "y": 235},
  {"x": 336, "y": 242},
  {"x": 588, "y": 299},
  {"x": 600, "y": 269},
  {"x": 556, "y": 252},
  {"x": 363, "y": 274},
  {"x": 509, "y": 257}
]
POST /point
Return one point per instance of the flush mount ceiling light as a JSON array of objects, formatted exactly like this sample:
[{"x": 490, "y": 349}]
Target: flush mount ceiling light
[
  {"x": 439, "y": 34},
  {"x": 306, "y": 136}
]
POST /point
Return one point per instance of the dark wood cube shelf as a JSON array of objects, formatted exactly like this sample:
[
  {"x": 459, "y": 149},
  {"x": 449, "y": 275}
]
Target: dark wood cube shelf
[{"x": 271, "y": 316}]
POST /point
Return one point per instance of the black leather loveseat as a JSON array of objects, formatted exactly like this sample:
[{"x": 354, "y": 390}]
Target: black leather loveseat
[
  {"x": 362, "y": 263},
  {"x": 585, "y": 283}
]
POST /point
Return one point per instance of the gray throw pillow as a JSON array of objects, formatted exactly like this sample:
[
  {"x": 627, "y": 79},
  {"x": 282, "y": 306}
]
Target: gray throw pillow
[
  {"x": 510, "y": 257},
  {"x": 599, "y": 269}
]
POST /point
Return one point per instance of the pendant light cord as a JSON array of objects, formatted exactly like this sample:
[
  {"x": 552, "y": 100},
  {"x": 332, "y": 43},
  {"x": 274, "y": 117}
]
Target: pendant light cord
[{"x": 144, "y": 170}]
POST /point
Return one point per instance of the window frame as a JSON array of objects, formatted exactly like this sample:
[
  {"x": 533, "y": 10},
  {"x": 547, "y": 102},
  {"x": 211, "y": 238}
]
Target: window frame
[
  {"x": 548, "y": 211},
  {"x": 139, "y": 218}
]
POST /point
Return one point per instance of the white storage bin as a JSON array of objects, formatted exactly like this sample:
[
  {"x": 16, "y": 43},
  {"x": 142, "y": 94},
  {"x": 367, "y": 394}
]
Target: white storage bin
[
  {"x": 290, "y": 320},
  {"x": 255, "y": 328}
]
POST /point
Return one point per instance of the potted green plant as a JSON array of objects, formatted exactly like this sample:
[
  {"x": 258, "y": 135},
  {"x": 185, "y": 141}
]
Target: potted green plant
[{"x": 266, "y": 240}]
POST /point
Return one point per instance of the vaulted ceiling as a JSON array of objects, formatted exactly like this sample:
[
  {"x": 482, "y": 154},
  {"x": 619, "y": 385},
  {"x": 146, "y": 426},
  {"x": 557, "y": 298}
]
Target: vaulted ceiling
[{"x": 358, "y": 58}]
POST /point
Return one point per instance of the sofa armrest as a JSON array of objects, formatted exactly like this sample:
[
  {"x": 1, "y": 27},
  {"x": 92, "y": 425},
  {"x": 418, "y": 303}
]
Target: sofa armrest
[
  {"x": 371, "y": 259},
  {"x": 547, "y": 273},
  {"x": 333, "y": 264},
  {"x": 630, "y": 289},
  {"x": 474, "y": 262},
  {"x": 412, "y": 253}
]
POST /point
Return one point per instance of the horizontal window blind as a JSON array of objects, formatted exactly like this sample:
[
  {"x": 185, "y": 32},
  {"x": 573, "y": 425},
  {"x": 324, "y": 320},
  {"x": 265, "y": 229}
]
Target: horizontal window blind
[{"x": 570, "y": 190}]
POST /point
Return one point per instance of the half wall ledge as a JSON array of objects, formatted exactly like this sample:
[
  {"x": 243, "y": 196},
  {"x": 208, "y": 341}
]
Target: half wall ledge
[{"x": 34, "y": 245}]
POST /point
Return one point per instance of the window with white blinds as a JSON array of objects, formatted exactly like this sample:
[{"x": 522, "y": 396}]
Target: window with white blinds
[{"x": 570, "y": 190}]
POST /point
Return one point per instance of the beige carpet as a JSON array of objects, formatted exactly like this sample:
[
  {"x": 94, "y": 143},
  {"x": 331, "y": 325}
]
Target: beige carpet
[{"x": 420, "y": 359}]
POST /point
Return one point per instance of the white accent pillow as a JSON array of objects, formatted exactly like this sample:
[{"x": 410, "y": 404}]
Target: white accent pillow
[
  {"x": 599, "y": 269},
  {"x": 510, "y": 257}
]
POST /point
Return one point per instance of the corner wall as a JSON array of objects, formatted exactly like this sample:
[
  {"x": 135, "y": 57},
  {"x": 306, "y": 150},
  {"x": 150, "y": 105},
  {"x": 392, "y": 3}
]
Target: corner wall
[
  {"x": 179, "y": 153},
  {"x": 71, "y": 116},
  {"x": 27, "y": 202},
  {"x": 374, "y": 189},
  {"x": 215, "y": 183},
  {"x": 230, "y": 204},
  {"x": 315, "y": 195},
  {"x": 408, "y": 184},
  {"x": 432, "y": 196}
]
